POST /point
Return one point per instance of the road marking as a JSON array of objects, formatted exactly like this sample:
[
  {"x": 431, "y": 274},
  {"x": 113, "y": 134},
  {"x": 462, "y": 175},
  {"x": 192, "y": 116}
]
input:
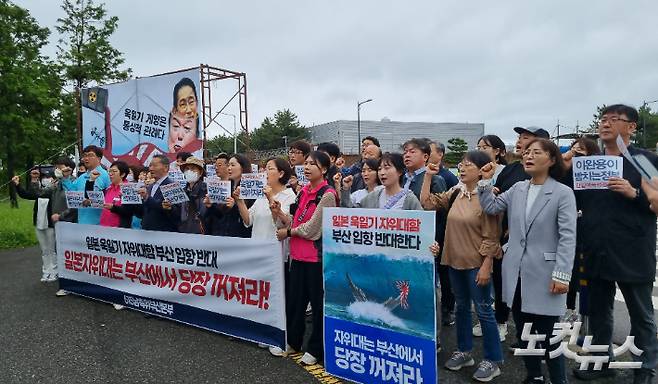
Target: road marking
[{"x": 316, "y": 370}]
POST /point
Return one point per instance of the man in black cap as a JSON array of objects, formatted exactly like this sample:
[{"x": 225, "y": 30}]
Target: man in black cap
[{"x": 510, "y": 175}]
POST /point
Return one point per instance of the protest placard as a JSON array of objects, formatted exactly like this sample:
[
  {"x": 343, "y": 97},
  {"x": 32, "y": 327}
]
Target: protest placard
[
  {"x": 379, "y": 327},
  {"x": 74, "y": 199},
  {"x": 211, "y": 170},
  {"x": 593, "y": 172},
  {"x": 251, "y": 185},
  {"x": 301, "y": 178},
  {"x": 254, "y": 168},
  {"x": 97, "y": 198},
  {"x": 218, "y": 190},
  {"x": 178, "y": 177},
  {"x": 223, "y": 284},
  {"x": 173, "y": 193},
  {"x": 130, "y": 194}
]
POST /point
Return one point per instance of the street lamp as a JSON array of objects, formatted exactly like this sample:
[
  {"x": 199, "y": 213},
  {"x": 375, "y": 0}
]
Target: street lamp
[
  {"x": 235, "y": 132},
  {"x": 644, "y": 122},
  {"x": 358, "y": 120}
]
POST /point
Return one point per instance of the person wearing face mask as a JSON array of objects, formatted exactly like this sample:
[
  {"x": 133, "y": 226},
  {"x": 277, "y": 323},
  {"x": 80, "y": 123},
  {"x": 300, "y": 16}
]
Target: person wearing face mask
[
  {"x": 49, "y": 207},
  {"x": 193, "y": 211}
]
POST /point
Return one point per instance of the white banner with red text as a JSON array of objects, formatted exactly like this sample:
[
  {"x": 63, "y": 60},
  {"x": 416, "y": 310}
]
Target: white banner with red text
[{"x": 224, "y": 284}]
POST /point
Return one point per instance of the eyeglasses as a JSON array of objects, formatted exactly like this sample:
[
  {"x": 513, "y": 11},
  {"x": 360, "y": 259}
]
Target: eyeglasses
[
  {"x": 464, "y": 164},
  {"x": 89, "y": 154},
  {"x": 295, "y": 152},
  {"x": 112, "y": 170},
  {"x": 612, "y": 120}
]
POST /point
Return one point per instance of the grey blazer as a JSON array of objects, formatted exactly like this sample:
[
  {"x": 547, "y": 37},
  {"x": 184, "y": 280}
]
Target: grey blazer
[
  {"x": 541, "y": 247},
  {"x": 371, "y": 200}
]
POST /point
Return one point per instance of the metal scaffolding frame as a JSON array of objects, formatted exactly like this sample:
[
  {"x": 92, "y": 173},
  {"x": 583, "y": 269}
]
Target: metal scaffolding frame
[{"x": 208, "y": 76}]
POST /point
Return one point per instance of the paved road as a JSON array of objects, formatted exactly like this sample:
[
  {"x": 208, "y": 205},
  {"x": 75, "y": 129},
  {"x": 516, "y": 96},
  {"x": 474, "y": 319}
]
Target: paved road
[{"x": 46, "y": 339}]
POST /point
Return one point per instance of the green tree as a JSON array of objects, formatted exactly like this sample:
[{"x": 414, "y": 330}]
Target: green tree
[
  {"x": 270, "y": 134},
  {"x": 28, "y": 91},
  {"x": 594, "y": 125},
  {"x": 85, "y": 55},
  {"x": 456, "y": 149},
  {"x": 647, "y": 128}
]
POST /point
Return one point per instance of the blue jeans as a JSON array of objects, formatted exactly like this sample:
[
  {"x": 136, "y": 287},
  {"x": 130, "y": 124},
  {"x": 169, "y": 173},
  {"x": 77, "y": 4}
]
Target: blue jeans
[{"x": 466, "y": 290}]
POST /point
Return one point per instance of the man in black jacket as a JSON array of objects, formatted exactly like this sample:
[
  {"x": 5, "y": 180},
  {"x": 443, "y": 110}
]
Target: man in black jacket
[
  {"x": 157, "y": 216},
  {"x": 619, "y": 240}
]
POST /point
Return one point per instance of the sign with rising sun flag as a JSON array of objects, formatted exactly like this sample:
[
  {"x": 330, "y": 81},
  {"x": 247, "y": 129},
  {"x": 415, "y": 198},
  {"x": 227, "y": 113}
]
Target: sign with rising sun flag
[{"x": 380, "y": 307}]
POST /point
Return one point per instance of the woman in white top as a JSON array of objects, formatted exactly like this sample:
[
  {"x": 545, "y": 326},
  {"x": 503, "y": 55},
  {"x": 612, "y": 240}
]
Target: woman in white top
[
  {"x": 264, "y": 220},
  {"x": 370, "y": 179},
  {"x": 493, "y": 146}
]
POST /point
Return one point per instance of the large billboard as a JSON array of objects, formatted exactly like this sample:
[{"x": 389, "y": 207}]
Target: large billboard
[{"x": 139, "y": 118}]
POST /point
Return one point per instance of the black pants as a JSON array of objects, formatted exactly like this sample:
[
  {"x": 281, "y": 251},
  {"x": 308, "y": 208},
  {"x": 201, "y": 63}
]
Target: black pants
[
  {"x": 640, "y": 308},
  {"x": 541, "y": 324},
  {"x": 305, "y": 286},
  {"x": 501, "y": 308},
  {"x": 447, "y": 297}
]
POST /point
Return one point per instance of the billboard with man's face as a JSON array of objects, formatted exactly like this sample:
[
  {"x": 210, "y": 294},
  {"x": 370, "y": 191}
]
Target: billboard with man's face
[{"x": 139, "y": 118}]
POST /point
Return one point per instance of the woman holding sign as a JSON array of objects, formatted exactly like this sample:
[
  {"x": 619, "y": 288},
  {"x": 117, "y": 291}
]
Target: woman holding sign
[
  {"x": 304, "y": 228},
  {"x": 542, "y": 243},
  {"x": 114, "y": 214},
  {"x": 193, "y": 211},
  {"x": 470, "y": 246},
  {"x": 224, "y": 219}
]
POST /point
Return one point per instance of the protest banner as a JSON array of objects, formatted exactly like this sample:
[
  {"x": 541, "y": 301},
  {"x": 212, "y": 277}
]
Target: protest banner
[
  {"x": 228, "y": 285},
  {"x": 301, "y": 177},
  {"x": 74, "y": 199},
  {"x": 593, "y": 172},
  {"x": 130, "y": 194},
  {"x": 251, "y": 185},
  {"x": 173, "y": 193},
  {"x": 134, "y": 120},
  {"x": 218, "y": 190},
  {"x": 379, "y": 303},
  {"x": 97, "y": 198}
]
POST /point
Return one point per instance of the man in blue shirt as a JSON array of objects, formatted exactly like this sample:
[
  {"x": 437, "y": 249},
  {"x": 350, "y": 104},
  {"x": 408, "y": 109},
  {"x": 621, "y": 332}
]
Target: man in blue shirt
[{"x": 91, "y": 157}]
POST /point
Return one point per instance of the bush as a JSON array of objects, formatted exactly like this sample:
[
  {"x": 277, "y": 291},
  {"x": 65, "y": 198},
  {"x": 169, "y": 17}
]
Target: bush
[{"x": 16, "y": 229}]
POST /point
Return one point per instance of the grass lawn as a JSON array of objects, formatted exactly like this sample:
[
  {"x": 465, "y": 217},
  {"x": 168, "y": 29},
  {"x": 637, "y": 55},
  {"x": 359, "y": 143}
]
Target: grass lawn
[{"x": 16, "y": 229}]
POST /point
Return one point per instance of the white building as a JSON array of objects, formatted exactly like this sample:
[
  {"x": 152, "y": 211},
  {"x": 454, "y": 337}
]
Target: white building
[{"x": 392, "y": 134}]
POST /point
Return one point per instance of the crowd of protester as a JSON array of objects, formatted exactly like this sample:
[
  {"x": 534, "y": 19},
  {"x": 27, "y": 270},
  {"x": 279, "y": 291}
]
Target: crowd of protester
[{"x": 511, "y": 238}]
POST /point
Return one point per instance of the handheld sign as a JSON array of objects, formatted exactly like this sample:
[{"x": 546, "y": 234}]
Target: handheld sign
[
  {"x": 218, "y": 190},
  {"x": 301, "y": 178},
  {"x": 173, "y": 193},
  {"x": 178, "y": 177},
  {"x": 251, "y": 185},
  {"x": 211, "y": 170},
  {"x": 97, "y": 198},
  {"x": 254, "y": 168},
  {"x": 74, "y": 199},
  {"x": 593, "y": 172},
  {"x": 130, "y": 194}
]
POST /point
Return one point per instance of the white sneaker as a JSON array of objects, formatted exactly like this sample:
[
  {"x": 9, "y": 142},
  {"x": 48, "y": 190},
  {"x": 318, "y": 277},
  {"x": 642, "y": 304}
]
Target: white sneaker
[
  {"x": 477, "y": 330},
  {"x": 309, "y": 359},
  {"x": 118, "y": 307},
  {"x": 276, "y": 351},
  {"x": 502, "y": 331},
  {"x": 61, "y": 293},
  {"x": 45, "y": 277},
  {"x": 261, "y": 345}
]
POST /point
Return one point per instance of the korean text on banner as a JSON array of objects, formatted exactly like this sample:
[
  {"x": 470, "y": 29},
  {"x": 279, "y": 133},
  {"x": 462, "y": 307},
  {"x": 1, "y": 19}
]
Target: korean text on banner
[
  {"x": 379, "y": 327},
  {"x": 218, "y": 190},
  {"x": 74, "y": 199},
  {"x": 251, "y": 185},
  {"x": 301, "y": 177},
  {"x": 97, "y": 198},
  {"x": 593, "y": 172},
  {"x": 224, "y": 284}
]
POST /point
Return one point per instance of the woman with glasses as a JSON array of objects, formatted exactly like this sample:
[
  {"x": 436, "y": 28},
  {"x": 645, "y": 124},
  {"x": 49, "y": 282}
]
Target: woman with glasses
[
  {"x": 471, "y": 243},
  {"x": 539, "y": 258},
  {"x": 114, "y": 214}
]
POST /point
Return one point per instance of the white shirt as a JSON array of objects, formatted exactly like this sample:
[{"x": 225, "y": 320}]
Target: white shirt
[
  {"x": 156, "y": 185},
  {"x": 260, "y": 217},
  {"x": 533, "y": 192}
]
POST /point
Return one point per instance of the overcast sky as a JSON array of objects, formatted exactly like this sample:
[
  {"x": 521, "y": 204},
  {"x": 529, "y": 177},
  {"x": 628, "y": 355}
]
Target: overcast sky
[{"x": 500, "y": 63}]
